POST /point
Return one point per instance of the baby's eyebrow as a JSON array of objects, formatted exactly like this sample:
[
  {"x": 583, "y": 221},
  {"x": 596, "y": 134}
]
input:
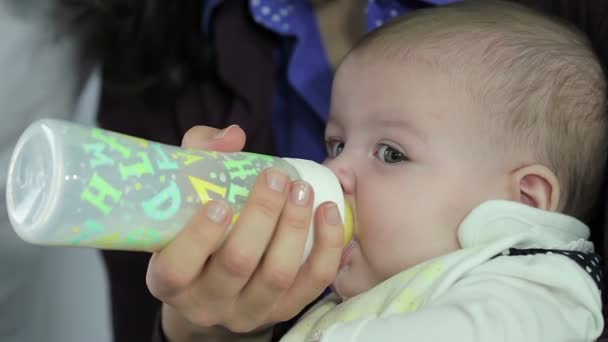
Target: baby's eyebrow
[{"x": 399, "y": 124}]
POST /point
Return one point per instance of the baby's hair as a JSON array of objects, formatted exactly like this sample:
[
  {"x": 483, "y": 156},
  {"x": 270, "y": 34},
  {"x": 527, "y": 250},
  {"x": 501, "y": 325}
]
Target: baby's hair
[{"x": 537, "y": 79}]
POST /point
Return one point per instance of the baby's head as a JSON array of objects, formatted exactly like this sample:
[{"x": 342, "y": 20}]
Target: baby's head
[{"x": 449, "y": 107}]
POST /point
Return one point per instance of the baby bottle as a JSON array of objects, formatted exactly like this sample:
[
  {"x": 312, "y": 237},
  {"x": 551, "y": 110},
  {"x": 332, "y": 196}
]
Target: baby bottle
[{"x": 71, "y": 185}]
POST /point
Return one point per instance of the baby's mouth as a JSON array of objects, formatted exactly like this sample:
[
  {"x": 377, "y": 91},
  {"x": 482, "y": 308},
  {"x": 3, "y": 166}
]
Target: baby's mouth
[{"x": 347, "y": 251}]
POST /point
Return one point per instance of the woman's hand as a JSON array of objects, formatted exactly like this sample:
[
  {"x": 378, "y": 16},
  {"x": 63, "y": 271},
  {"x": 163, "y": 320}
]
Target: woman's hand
[{"x": 253, "y": 279}]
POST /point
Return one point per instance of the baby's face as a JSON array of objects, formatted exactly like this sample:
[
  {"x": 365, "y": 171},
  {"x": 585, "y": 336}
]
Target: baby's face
[{"x": 402, "y": 139}]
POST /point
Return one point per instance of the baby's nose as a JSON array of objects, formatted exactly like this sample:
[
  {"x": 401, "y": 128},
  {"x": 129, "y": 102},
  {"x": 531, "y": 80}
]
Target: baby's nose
[{"x": 346, "y": 175}]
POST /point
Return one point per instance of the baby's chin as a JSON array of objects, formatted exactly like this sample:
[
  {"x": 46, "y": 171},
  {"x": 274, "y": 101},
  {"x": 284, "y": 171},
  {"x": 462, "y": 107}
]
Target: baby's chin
[
  {"x": 336, "y": 289},
  {"x": 346, "y": 288}
]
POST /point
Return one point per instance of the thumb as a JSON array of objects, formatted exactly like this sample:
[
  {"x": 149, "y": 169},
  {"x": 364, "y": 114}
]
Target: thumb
[{"x": 229, "y": 139}]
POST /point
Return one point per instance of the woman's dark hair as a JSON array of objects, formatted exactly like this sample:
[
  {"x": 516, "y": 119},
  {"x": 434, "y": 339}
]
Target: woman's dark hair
[{"x": 143, "y": 44}]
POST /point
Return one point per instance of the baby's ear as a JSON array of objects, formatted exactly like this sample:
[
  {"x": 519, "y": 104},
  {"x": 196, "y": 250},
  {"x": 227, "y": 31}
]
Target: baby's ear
[{"x": 536, "y": 186}]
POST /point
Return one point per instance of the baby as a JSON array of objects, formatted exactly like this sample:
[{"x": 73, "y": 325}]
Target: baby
[{"x": 471, "y": 141}]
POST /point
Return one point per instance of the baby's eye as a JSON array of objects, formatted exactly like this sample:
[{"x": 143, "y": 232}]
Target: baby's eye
[
  {"x": 334, "y": 147},
  {"x": 389, "y": 154}
]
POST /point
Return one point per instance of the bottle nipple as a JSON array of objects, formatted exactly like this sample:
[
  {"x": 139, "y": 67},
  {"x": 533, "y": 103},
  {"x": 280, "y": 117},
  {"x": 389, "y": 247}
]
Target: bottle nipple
[{"x": 349, "y": 223}]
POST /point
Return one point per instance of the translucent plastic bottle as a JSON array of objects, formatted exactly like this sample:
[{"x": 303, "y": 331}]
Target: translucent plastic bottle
[{"x": 71, "y": 185}]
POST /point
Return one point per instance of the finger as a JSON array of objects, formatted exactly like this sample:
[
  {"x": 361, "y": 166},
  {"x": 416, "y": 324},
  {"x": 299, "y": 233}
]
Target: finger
[
  {"x": 321, "y": 267},
  {"x": 229, "y": 139},
  {"x": 174, "y": 268},
  {"x": 233, "y": 265},
  {"x": 282, "y": 262}
]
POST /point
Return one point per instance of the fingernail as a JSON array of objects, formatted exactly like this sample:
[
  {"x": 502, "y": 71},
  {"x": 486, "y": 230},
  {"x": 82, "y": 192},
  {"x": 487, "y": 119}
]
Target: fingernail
[
  {"x": 332, "y": 215},
  {"x": 276, "y": 180},
  {"x": 222, "y": 133},
  {"x": 216, "y": 212},
  {"x": 300, "y": 194}
]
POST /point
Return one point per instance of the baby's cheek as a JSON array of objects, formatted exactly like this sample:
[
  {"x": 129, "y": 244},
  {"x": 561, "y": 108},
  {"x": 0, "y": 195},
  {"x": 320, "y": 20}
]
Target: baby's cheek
[
  {"x": 381, "y": 226},
  {"x": 382, "y": 249}
]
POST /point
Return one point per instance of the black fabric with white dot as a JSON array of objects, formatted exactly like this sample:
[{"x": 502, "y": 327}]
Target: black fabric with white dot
[{"x": 590, "y": 262}]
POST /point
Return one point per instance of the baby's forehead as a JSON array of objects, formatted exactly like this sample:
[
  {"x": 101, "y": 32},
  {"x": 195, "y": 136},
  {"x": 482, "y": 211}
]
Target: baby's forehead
[
  {"x": 449, "y": 50},
  {"x": 395, "y": 94},
  {"x": 488, "y": 66}
]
